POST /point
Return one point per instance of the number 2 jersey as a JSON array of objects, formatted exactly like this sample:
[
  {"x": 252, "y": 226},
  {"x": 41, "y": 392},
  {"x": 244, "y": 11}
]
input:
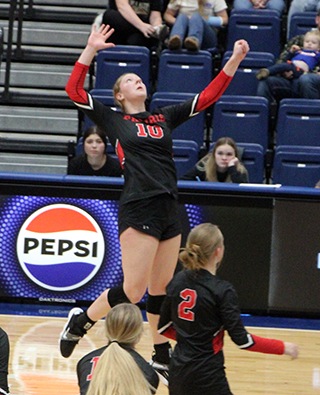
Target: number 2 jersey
[
  {"x": 198, "y": 309},
  {"x": 143, "y": 141}
]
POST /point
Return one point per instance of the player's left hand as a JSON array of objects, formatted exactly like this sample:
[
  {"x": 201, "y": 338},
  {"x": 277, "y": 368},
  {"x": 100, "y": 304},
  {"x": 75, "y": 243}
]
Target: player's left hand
[{"x": 240, "y": 49}]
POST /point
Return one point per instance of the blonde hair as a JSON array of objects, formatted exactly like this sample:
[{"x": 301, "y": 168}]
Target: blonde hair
[
  {"x": 116, "y": 90},
  {"x": 209, "y": 165},
  {"x": 202, "y": 241},
  {"x": 116, "y": 372},
  {"x": 315, "y": 33}
]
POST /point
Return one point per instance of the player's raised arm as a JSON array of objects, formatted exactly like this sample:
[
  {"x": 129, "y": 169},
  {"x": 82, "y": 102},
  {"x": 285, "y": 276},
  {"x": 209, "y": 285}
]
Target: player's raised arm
[
  {"x": 240, "y": 50},
  {"x": 217, "y": 86},
  {"x": 96, "y": 42}
]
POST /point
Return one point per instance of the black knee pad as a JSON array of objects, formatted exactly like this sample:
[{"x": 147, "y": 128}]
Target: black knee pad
[
  {"x": 116, "y": 296},
  {"x": 154, "y": 303}
]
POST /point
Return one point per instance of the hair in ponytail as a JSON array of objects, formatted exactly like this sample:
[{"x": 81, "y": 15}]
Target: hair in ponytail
[
  {"x": 202, "y": 241},
  {"x": 116, "y": 372}
]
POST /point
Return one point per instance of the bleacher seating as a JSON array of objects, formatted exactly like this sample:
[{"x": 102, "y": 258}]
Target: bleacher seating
[
  {"x": 244, "y": 118},
  {"x": 301, "y": 22},
  {"x": 298, "y": 122},
  {"x": 261, "y": 28},
  {"x": 52, "y": 37},
  {"x": 183, "y": 71},
  {"x": 185, "y": 155},
  {"x": 244, "y": 81},
  {"x": 296, "y": 166},
  {"x": 121, "y": 59}
]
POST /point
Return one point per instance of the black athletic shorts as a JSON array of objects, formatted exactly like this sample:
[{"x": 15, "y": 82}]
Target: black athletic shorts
[{"x": 156, "y": 216}]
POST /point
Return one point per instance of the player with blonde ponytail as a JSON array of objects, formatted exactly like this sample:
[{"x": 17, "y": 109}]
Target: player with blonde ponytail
[
  {"x": 119, "y": 369},
  {"x": 198, "y": 309}
]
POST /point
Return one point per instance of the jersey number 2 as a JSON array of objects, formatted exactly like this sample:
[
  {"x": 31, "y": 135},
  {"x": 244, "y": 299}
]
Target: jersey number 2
[{"x": 189, "y": 297}]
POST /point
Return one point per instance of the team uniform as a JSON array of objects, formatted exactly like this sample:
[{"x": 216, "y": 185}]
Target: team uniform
[
  {"x": 143, "y": 143},
  {"x": 80, "y": 166},
  {"x": 87, "y": 364},
  {"x": 198, "y": 309}
]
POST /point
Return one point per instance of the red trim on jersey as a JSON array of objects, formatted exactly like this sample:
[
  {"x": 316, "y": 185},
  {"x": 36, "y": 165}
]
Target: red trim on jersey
[
  {"x": 170, "y": 333},
  {"x": 75, "y": 85},
  {"x": 267, "y": 346},
  {"x": 120, "y": 153},
  {"x": 217, "y": 342},
  {"x": 213, "y": 91}
]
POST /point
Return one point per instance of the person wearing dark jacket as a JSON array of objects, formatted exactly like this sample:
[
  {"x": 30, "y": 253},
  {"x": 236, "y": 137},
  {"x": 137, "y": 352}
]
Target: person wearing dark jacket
[
  {"x": 220, "y": 165},
  {"x": 94, "y": 161}
]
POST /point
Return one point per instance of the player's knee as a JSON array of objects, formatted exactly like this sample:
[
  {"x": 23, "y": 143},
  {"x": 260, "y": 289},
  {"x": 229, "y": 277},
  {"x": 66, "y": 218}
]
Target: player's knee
[
  {"x": 135, "y": 295},
  {"x": 117, "y": 295},
  {"x": 154, "y": 303}
]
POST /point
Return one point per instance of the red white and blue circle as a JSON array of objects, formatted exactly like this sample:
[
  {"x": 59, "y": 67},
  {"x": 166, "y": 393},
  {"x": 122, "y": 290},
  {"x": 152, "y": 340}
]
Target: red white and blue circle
[{"x": 60, "y": 247}]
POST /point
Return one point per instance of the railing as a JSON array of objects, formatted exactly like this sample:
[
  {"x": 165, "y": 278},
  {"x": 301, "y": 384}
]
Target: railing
[{"x": 14, "y": 13}]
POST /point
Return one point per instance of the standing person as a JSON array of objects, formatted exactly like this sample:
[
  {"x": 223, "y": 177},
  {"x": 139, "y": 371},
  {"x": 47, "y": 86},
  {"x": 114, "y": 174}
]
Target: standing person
[
  {"x": 118, "y": 361},
  {"x": 4, "y": 362},
  {"x": 94, "y": 161},
  {"x": 195, "y": 23},
  {"x": 220, "y": 165},
  {"x": 149, "y": 228},
  {"x": 198, "y": 308},
  {"x": 277, "y": 5},
  {"x": 298, "y": 60}
]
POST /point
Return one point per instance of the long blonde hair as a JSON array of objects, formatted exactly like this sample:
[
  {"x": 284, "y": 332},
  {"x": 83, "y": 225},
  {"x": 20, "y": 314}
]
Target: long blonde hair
[
  {"x": 208, "y": 163},
  {"x": 116, "y": 372},
  {"x": 202, "y": 241}
]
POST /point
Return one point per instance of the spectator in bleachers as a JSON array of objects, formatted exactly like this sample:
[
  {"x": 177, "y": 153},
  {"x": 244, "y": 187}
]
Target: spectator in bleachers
[
  {"x": 298, "y": 60},
  {"x": 118, "y": 364},
  {"x": 134, "y": 23},
  {"x": 277, "y": 5},
  {"x": 4, "y": 362},
  {"x": 220, "y": 165},
  {"x": 94, "y": 161},
  {"x": 195, "y": 23},
  {"x": 307, "y": 86},
  {"x": 297, "y": 6}
]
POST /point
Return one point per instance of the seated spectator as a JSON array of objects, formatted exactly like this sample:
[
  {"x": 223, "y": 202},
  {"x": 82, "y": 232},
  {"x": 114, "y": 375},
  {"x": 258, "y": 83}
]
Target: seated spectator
[
  {"x": 117, "y": 366},
  {"x": 277, "y": 5},
  {"x": 301, "y": 6},
  {"x": 94, "y": 161},
  {"x": 195, "y": 23},
  {"x": 4, "y": 362},
  {"x": 134, "y": 23},
  {"x": 298, "y": 60},
  {"x": 307, "y": 86},
  {"x": 220, "y": 165}
]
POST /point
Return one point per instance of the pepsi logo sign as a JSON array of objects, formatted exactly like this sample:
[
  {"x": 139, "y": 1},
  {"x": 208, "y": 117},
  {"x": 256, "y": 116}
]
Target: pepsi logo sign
[{"x": 60, "y": 247}]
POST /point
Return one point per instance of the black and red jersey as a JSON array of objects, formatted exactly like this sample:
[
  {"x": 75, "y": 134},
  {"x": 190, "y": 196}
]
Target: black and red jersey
[
  {"x": 198, "y": 309},
  {"x": 143, "y": 141},
  {"x": 87, "y": 364}
]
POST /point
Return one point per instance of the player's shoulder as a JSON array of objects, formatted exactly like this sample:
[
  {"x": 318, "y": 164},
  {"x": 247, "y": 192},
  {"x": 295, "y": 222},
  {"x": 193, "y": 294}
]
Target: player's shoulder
[{"x": 91, "y": 354}]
